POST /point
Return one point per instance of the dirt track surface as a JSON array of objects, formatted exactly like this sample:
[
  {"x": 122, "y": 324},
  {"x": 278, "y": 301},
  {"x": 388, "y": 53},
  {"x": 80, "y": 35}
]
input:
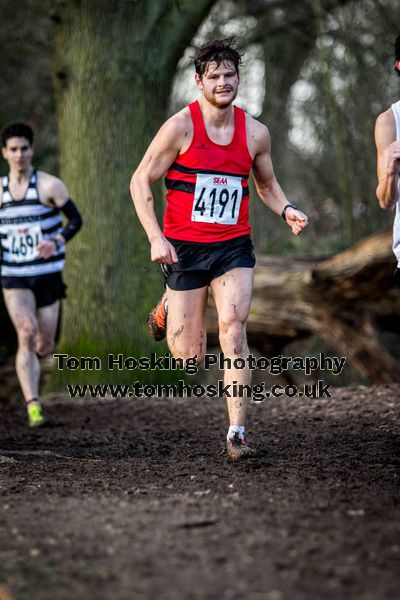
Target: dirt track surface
[{"x": 134, "y": 499}]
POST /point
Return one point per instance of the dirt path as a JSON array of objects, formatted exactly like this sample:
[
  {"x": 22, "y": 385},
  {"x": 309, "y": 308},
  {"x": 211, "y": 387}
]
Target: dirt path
[{"x": 133, "y": 499}]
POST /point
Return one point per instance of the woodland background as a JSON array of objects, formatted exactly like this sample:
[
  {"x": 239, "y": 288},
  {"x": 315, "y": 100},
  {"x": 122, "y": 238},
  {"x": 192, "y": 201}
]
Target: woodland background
[{"x": 97, "y": 78}]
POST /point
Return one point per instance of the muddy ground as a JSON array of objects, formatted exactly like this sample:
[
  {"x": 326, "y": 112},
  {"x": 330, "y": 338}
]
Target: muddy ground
[{"x": 134, "y": 499}]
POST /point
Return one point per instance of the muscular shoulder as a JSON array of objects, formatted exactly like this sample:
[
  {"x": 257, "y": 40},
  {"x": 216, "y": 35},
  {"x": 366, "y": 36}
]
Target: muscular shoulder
[
  {"x": 178, "y": 128},
  {"x": 52, "y": 190},
  {"x": 386, "y": 118},
  {"x": 258, "y": 137},
  {"x": 182, "y": 119},
  {"x": 385, "y": 128},
  {"x": 386, "y": 121}
]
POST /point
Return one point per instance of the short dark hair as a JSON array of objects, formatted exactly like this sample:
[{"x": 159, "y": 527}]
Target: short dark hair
[
  {"x": 16, "y": 130},
  {"x": 217, "y": 51},
  {"x": 397, "y": 52}
]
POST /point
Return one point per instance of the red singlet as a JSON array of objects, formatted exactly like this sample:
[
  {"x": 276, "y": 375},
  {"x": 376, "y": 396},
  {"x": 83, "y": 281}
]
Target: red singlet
[{"x": 208, "y": 192}]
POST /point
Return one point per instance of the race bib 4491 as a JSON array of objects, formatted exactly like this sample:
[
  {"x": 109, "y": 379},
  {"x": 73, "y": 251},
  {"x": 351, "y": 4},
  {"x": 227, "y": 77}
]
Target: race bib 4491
[
  {"x": 217, "y": 199},
  {"x": 23, "y": 242}
]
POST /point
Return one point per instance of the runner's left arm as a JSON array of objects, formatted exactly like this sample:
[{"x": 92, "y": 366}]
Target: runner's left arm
[
  {"x": 54, "y": 193},
  {"x": 388, "y": 160},
  {"x": 267, "y": 185}
]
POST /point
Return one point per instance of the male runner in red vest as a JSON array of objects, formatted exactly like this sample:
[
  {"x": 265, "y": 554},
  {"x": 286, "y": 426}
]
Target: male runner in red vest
[{"x": 206, "y": 152}]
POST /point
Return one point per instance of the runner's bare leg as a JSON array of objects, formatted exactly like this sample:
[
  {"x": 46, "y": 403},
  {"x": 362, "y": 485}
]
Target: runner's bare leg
[
  {"x": 21, "y": 306},
  {"x": 186, "y": 333},
  {"x": 232, "y": 293},
  {"x": 47, "y": 318}
]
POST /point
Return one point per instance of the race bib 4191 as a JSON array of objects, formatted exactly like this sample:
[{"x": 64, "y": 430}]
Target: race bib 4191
[{"x": 217, "y": 199}]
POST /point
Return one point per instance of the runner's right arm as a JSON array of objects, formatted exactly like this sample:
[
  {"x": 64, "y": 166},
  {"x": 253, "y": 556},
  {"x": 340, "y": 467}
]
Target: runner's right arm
[
  {"x": 159, "y": 156},
  {"x": 388, "y": 163}
]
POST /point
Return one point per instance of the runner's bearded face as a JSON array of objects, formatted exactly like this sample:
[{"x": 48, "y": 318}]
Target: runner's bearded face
[
  {"x": 18, "y": 152},
  {"x": 219, "y": 84}
]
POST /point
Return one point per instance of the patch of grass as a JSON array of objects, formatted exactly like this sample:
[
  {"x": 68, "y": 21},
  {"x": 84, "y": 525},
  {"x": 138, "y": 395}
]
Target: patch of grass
[
  {"x": 38, "y": 577},
  {"x": 93, "y": 363}
]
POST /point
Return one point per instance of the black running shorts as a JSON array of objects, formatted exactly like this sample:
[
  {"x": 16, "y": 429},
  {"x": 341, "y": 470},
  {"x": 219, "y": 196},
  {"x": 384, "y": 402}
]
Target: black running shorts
[
  {"x": 47, "y": 289},
  {"x": 200, "y": 263}
]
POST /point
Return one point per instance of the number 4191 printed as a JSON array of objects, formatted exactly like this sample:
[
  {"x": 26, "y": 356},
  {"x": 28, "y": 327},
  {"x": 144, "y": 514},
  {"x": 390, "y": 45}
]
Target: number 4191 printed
[{"x": 217, "y": 199}]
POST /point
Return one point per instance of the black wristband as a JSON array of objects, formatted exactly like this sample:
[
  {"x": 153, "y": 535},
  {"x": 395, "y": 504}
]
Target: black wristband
[
  {"x": 74, "y": 220},
  {"x": 283, "y": 213}
]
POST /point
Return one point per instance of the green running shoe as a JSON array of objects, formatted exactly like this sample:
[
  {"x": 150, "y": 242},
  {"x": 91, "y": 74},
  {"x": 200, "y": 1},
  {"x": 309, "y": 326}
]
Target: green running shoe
[{"x": 35, "y": 415}]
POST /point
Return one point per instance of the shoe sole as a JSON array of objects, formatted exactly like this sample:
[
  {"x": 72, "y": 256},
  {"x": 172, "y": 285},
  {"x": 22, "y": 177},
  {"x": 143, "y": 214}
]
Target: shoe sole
[
  {"x": 38, "y": 424},
  {"x": 157, "y": 333},
  {"x": 241, "y": 455}
]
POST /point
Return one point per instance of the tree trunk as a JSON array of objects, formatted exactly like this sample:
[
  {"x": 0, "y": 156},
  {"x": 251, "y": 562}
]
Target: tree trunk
[{"x": 114, "y": 66}]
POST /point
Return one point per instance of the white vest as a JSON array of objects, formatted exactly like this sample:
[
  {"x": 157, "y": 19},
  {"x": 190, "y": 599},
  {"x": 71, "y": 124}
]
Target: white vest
[{"x": 396, "y": 226}]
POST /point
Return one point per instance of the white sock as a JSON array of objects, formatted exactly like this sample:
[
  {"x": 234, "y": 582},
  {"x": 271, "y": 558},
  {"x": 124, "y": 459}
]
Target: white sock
[{"x": 240, "y": 429}]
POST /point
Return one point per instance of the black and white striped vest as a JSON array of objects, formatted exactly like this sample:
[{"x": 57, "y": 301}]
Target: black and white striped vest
[{"x": 23, "y": 225}]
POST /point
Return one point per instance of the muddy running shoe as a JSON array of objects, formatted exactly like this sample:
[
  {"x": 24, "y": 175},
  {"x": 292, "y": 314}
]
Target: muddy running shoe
[
  {"x": 157, "y": 320},
  {"x": 36, "y": 417},
  {"x": 238, "y": 448}
]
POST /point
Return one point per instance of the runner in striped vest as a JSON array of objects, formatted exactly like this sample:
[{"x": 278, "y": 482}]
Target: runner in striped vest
[
  {"x": 32, "y": 238},
  {"x": 24, "y": 224}
]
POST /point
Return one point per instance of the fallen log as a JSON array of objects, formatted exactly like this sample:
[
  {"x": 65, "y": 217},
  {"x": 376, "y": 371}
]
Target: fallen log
[{"x": 349, "y": 300}]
